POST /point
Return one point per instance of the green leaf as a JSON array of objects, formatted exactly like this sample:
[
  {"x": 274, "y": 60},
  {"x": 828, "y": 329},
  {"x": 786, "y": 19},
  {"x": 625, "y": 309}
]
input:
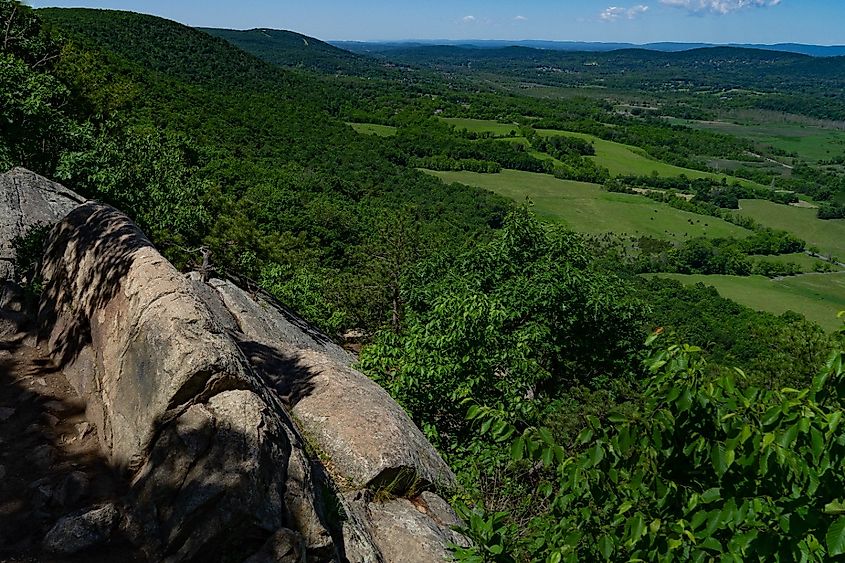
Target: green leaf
[
  {"x": 711, "y": 495},
  {"x": 719, "y": 459},
  {"x": 836, "y": 507},
  {"x": 637, "y": 527},
  {"x": 518, "y": 449},
  {"x": 548, "y": 456},
  {"x": 606, "y": 547},
  {"x": 835, "y": 538},
  {"x": 616, "y": 418},
  {"x": 486, "y": 425},
  {"x": 596, "y": 454}
]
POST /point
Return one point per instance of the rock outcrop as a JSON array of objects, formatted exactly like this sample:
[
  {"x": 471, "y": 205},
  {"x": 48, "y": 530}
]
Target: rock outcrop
[
  {"x": 243, "y": 433},
  {"x": 369, "y": 438},
  {"x": 27, "y": 200}
]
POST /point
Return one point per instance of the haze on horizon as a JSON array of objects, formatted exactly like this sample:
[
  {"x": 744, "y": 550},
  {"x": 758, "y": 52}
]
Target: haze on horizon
[{"x": 634, "y": 21}]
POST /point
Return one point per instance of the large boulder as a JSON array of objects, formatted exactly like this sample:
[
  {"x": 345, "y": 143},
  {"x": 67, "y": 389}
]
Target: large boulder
[
  {"x": 368, "y": 437},
  {"x": 128, "y": 331},
  {"x": 216, "y": 464},
  {"x": 224, "y": 463},
  {"x": 204, "y": 395},
  {"x": 27, "y": 200}
]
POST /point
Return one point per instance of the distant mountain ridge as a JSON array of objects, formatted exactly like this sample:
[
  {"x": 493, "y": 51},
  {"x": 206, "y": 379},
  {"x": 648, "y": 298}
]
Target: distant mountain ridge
[
  {"x": 384, "y": 46},
  {"x": 289, "y": 49}
]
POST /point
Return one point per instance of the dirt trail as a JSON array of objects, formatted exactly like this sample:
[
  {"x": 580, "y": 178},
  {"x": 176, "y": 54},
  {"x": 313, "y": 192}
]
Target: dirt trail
[{"x": 50, "y": 460}]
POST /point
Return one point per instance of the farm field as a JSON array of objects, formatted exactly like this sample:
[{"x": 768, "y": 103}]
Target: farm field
[
  {"x": 819, "y": 297},
  {"x": 483, "y": 126},
  {"x": 828, "y": 236},
  {"x": 619, "y": 159},
  {"x": 373, "y": 129},
  {"x": 809, "y": 142},
  {"x": 587, "y": 208}
]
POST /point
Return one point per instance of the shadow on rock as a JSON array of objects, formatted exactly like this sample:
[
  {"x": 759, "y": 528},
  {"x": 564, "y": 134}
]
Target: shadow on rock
[
  {"x": 291, "y": 378},
  {"x": 90, "y": 252},
  {"x": 51, "y": 464}
]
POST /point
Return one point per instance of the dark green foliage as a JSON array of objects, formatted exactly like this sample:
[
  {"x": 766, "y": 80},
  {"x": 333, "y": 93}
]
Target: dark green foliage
[
  {"x": 29, "y": 250},
  {"x": 36, "y": 124},
  {"x": 513, "y": 321},
  {"x": 774, "y": 351},
  {"x": 831, "y": 211},
  {"x": 705, "y": 467},
  {"x": 205, "y": 145}
]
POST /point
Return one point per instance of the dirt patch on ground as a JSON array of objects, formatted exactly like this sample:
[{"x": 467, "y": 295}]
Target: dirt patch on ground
[{"x": 50, "y": 459}]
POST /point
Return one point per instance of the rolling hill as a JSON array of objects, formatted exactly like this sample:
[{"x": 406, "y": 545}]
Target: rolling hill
[{"x": 289, "y": 49}]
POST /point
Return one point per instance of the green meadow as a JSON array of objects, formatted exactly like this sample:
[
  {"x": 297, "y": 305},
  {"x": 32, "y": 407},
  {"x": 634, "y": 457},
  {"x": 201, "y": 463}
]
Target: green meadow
[
  {"x": 619, "y": 159},
  {"x": 483, "y": 126},
  {"x": 807, "y": 141},
  {"x": 827, "y": 235},
  {"x": 587, "y": 208},
  {"x": 819, "y": 297}
]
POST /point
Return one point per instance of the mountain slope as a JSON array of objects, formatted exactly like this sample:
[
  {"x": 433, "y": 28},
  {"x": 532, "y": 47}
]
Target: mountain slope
[
  {"x": 290, "y": 194},
  {"x": 288, "y": 49}
]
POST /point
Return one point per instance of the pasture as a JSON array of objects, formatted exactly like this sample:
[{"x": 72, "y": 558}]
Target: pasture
[
  {"x": 810, "y": 142},
  {"x": 819, "y": 297},
  {"x": 828, "y": 236},
  {"x": 619, "y": 159},
  {"x": 587, "y": 208}
]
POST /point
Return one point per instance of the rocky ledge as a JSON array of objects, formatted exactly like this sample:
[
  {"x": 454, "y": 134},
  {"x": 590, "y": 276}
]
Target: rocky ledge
[{"x": 241, "y": 433}]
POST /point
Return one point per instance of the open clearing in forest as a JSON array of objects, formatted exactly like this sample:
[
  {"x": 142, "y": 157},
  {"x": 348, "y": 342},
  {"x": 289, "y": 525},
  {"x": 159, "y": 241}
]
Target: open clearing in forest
[
  {"x": 589, "y": 209},
  {"x": 619, "y": 159},
  {"x": 483, "y": 126},
  {"x": 819, "y": 297},
  {"x": 373, "y": 129},
  {"x": 827, "y": 235},
  {"x": 809, "y": 142}
]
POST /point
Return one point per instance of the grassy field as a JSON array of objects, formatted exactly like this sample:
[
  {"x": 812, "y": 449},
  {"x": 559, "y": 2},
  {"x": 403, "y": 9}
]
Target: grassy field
[
  {"x": 483, "y": 126},
  {"x": 619, "y": 159},
  {"x": 587, "y": 208},
  {"x": 373, "y": 129},
  {"x": 808, "y": 141},
  {"x": 623, "y": 160},
  {"x": 819, "y": 297},
  {"x": 828, "y": 236}
]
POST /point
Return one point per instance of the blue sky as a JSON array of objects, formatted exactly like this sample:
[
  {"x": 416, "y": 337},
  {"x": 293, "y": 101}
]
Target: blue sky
[{"x": 638, "y": 21}]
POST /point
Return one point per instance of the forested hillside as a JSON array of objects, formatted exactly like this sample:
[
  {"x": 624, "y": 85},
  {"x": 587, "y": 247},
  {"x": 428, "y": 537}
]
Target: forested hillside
[
  {"x": 247, "y": 160},
  {"x": 508, "y": 319},
  {"x": 292, "y": 50}
]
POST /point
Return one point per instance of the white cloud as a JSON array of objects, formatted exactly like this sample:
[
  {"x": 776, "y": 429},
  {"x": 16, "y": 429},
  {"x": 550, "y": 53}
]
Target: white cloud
[
  {"x": 520, "y": 18},
  {"x": 614, "y": 13},
  {"x": 719, "y": 6},
  {"x": 468, "y": 19}
]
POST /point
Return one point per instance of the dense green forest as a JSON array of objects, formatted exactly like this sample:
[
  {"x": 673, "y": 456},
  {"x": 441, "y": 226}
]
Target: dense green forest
[{"x": 547, "y": 364}]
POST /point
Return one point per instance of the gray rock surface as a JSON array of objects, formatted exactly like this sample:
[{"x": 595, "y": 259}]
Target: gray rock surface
[
  {"x": 27, "y": 199},
  {"x": 285, "y": 546},
  {"x": 201, "y": 394},
  {"x": 369, "y": 438},
  {"x": 82, "y": 530},
  {"x": 128, "y": 330},
  {"x": 222, "y": 463},
  {"x": 404, "y": 534}
]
